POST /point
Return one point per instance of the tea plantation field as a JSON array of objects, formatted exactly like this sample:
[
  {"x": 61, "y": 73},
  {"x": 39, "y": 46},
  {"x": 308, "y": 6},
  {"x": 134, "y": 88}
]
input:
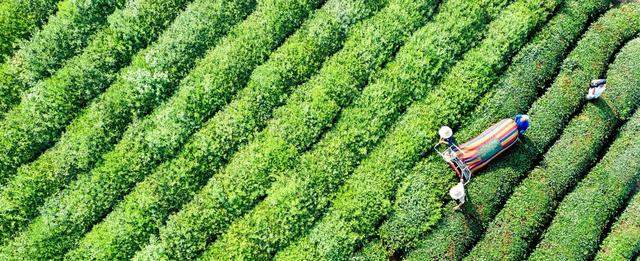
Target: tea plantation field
[{"x": 304, "y": 129}]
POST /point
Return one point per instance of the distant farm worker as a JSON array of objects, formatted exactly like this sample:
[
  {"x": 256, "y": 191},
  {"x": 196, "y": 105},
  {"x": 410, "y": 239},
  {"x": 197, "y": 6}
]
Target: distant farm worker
[
  {"x": 596, "y": 88},
  {"x": 468, "y": 158}
]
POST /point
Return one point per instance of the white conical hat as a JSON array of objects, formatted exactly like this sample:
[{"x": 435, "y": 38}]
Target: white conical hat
[
  {"x": 457, "y": 191},
  {"x": 445, "y": 132}
]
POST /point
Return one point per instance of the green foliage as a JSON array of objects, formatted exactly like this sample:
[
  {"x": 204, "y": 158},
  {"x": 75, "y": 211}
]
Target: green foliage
[
  {"x": 226, "y": 68},
  {"x": 533, "y": 202},
  {"x": 64, "y": 35},
  {"x": 235, "y": 140},
  {"x": 293, "y": 206},
  {"x": 583, "y": 215},
  {"x": 460, "y": 229},
  {"x": 623, "y": 242},
  {"x": 373, "y": 250},
  {"x": 416, "y": 207},
  {"x": 174, "y": 183},
  {"x": 294, "y": 128},
  {"x": 37, "y": 122},
  {"x": 139, "y": 88},
  {"x": 19, "y": 19},
  {"x": 366, "y": 197}
]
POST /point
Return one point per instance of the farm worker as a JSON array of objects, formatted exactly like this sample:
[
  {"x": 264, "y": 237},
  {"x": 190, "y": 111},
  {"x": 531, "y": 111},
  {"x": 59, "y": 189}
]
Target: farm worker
[
  {"x": 446, "y": 134},
  {"x": 596, "y": 88},
  {"x": 468, "y": 158}
]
